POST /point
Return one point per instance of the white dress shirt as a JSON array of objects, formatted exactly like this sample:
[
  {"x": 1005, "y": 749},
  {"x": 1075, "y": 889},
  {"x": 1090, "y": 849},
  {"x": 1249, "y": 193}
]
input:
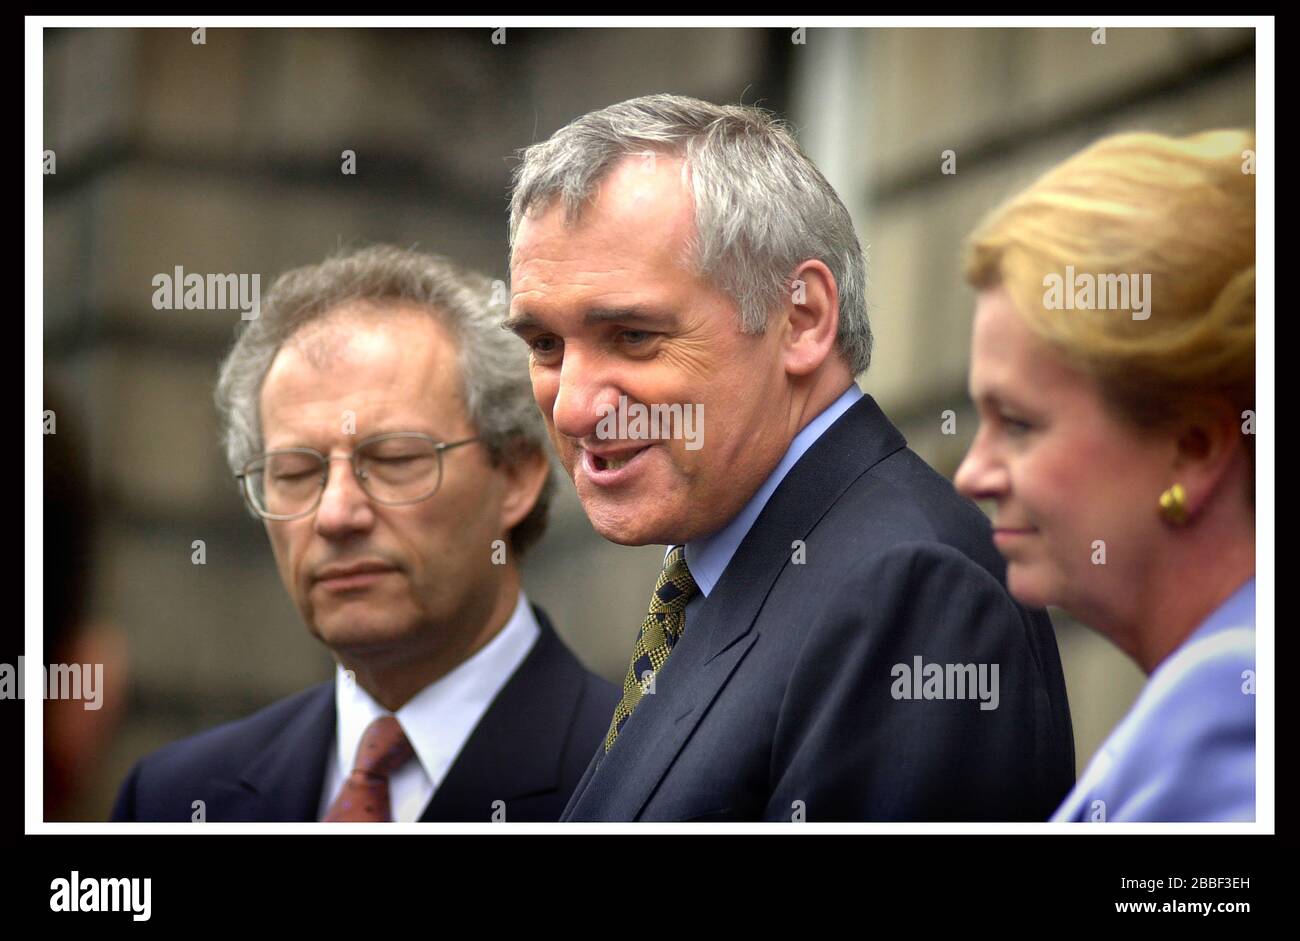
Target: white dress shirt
[{"x": 437, "y": 720}]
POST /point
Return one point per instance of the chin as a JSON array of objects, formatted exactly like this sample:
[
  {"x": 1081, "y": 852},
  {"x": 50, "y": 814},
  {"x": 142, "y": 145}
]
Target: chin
[
  {"x": 621, "y": 534},
  {"x": 624, "y": 526},
  {"x": 360, "y": 635},
  {"x": 1027, "y": 586}
]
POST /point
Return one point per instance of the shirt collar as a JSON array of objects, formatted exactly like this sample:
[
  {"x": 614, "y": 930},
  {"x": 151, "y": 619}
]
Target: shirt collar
[
  {"x": 433, "y": 718},
  {"x": 1238, "y": 610},
  {"x": 709, "y": 556}
]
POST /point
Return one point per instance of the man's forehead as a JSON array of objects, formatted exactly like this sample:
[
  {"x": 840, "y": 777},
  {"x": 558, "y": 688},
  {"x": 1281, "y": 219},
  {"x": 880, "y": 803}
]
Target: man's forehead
[
  {"x": 638, "y": 182},
  {"x": 355, "y": 320},
  {"x": 302, "y": 413},
  {"x": 398, "y": 359},
  {"x": 637, "y": 195}
]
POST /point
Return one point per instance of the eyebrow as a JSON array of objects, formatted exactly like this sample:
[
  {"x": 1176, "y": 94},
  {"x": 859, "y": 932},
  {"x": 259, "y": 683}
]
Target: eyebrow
[
  {"x": 636, "y": 315},
  {"x": 990, "y": 396}
]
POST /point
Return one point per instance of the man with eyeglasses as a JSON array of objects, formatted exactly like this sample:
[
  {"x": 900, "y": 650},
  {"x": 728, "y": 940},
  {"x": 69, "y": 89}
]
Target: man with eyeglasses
[{"x": 381, "y": 425}]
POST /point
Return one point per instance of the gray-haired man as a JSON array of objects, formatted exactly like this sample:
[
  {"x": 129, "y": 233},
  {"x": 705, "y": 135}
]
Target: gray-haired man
[
  {"x": 379, "y": 423},
  {"x": 831, "y": 637}
]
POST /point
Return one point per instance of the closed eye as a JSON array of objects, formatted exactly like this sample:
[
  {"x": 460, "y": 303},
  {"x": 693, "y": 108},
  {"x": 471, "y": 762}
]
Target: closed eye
[{"x": 1015, "y": 426}]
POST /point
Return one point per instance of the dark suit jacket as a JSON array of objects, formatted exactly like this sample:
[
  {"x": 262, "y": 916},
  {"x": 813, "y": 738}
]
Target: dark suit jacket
[
  {"x": 778, "y": 701},
  {"x": 529, "y": 750}
]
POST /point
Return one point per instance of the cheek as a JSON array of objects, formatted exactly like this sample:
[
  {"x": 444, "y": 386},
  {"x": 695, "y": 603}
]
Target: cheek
[
  {"x": 545, "y": 388},
  {"x": 456, "y": 523},
  {"x": 691, "y": 363},
  {"x": 1084, "y": 494},
  {"x": 284, "y": 540},
  {"x": 1047, "y": 478}
]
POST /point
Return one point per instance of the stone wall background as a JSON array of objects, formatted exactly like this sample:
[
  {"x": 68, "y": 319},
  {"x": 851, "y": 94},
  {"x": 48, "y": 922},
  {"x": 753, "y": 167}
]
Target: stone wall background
[{"x": 224, "y": 157}]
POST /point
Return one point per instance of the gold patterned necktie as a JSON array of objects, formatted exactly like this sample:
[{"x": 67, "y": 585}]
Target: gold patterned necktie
[
  {"x": 364, "y": 797},
  {"x": 662, "y": 628}
]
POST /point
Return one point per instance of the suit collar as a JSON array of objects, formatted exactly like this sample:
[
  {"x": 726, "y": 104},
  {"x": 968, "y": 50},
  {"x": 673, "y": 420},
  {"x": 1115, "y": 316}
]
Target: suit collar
[
  {"x": 515, "y": 749},
  {"x": 709, "y": 556},
  {"x": 618, "y": 785},
  {"x": 861, "y": 438},
  {"x": 440, "y": 718},
  {"x": 284, "y": 781},
  {"x": 513, "y": 752}
]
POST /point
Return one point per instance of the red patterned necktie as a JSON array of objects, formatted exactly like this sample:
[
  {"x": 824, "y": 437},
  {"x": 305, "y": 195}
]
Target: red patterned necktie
[{"x": 364, "y": 798}]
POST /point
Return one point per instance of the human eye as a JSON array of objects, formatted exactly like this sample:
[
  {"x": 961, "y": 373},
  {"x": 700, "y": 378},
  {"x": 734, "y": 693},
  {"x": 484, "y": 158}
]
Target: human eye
[
  {"x": 291, "y": 467},
  {"x": 637, "y": 341},
  {"x": 545, "y": 347},
  {"x": 397, "y": 449},
  {"x": 1015, "y": 426},
  {"x": 396, "y": 460}
]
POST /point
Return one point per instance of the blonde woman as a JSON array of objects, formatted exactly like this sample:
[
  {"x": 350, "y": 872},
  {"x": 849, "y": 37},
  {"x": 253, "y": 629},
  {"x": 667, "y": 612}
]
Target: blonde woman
[{"x": 1113, "y": 369}]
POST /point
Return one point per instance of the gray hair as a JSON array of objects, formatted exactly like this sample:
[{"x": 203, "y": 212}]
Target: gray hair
[
  {"x": 761, "y": 206},
  {"x": 493, "y": 366}
]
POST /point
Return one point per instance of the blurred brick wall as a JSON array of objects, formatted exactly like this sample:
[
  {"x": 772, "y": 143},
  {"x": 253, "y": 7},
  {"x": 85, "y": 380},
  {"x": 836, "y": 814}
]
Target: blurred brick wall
[{"x": 225, "y": 157}]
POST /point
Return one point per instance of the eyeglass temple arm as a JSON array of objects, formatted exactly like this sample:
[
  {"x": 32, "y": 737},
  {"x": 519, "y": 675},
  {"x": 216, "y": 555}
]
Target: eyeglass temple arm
[{"x": 448, "y": 445}]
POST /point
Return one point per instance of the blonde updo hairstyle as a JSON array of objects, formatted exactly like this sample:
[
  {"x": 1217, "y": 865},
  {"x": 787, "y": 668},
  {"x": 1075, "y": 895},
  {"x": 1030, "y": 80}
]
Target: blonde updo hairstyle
[{"x": 1179, "y": 209}]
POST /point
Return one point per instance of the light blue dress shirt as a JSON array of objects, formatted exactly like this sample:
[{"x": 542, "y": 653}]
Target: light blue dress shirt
[
  {"x": 1186, "y": 750},
  {"x": 708, "y": 557}
]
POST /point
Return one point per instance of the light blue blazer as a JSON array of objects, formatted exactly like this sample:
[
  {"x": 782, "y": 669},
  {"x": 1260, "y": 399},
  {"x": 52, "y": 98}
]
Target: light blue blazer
[{"x": 1186, "y": 750}]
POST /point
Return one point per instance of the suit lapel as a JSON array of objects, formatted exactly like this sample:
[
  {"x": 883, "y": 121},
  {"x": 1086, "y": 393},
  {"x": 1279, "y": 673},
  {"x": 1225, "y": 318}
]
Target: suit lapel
[
  {"x": 283, "y": 783},
  {"x": 580, "y": 791},
  {"x": 513, "y": 752},
  {"x": 515, "y": 749},
  {"x": 618, "y": 785},
  {"x": 860, "y": 439}
]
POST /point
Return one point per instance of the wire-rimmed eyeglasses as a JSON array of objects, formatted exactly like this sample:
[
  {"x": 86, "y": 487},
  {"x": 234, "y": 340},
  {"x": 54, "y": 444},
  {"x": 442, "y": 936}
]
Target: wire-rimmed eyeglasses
[{"x": 393, "y": 469}]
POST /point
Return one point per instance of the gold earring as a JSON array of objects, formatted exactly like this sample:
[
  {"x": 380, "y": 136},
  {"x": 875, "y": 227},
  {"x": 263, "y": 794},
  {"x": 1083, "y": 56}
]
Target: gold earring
[{"x": 1173, "y": 506}]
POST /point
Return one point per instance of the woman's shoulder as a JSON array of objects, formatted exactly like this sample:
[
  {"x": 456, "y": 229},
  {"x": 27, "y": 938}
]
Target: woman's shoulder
[{"x": 1187, "y": 749}]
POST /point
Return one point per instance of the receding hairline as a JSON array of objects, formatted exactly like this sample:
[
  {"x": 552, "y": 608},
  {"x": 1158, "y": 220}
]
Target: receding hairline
[
  {"x": 573, "y": 213},
  {"x": 322, "y": 340}
]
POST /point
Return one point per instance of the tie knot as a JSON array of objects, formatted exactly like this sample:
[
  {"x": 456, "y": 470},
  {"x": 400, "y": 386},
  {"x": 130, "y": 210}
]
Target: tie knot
[
  {"x": 384, "y": 747},
  {"x": 676, "y": 586}
]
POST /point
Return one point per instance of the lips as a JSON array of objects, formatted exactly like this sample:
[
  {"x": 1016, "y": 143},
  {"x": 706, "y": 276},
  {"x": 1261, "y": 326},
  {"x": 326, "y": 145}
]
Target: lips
[
  {"x": 356, "y": 568},
  {"x": 614, "y": 461},
  {"x": 352, "y": 576},
  {"x": 1004, "y": 536},
  {"x": 611, "y": 467}
]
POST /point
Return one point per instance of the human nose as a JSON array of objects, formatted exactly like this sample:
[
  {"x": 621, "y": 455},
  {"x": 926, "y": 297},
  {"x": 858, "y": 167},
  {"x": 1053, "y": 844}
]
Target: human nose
[
  {"x": 586, "y": 393},
  {"x": 981, "y": 476},
  {"x": 344, "y": 504}
]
